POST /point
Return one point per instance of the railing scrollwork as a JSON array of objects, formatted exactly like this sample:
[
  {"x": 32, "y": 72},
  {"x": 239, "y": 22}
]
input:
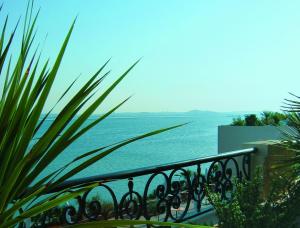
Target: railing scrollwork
[{"x": 172, "y": 192}]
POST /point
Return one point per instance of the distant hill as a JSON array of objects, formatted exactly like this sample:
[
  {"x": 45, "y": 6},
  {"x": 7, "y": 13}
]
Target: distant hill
[
  {"x": 200, "y": 113},
  {"x": 196, "y": 113},
  {"x": 203, "y": 112},
  {"x": 193, "y": 112}
]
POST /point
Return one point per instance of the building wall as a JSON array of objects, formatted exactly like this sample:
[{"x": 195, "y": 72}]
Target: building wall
[{"x": 233, "y": 137}]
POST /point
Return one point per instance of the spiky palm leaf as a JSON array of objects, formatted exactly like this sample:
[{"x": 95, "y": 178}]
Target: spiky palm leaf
[
  {"x": 25, "y": 91},
  {"x": 292, "y": 131}
]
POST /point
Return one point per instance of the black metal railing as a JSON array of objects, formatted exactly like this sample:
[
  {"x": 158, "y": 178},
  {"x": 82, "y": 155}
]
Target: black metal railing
[{"x": 171, "y": 192}]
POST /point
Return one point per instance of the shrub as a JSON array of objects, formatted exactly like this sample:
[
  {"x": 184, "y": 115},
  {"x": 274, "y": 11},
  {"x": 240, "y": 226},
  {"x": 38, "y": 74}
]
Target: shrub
[
  {"x": 238, "y": 122},
  {"x": 248, "y": 208},
  {"x": 266, "y": 118},
  {"x": 251, "y": 120}
]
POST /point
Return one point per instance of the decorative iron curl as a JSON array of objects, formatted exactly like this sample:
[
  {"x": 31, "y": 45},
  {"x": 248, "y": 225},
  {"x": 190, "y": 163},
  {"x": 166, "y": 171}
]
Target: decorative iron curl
[
  {"x": 176, "y": 189},
  {"x": 161, "y": 193},
  {"x": 131, "y": 207},
  {"x": 198, "y": 187},
  {"x": 228, "y": 177},
  {"x": 93, "y": 210},
  {"x": 215, "y": 177},
  {"x": 46, "y": 218},
  {"x": 70, "y": 210}
]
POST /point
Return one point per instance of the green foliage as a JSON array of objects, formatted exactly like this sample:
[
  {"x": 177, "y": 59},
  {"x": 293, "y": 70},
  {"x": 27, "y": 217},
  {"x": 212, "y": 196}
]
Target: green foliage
[
  {"x": 293, "y": 133},
  {"x": 273, "y": 118},
  {"x": 248, "y": 208},
  {"x": 266, "y": 118},
  {"x": 26, "y": 85},
  {"x": 238, "y": 122},
  {"x": 280, "y": 208},
  {"x": 51, "y": 217},
  {"x": 251, "y": 120}
]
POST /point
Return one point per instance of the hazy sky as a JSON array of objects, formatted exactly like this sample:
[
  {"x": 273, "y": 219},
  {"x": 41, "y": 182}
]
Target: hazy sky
[{"x": 207, "y": 55}]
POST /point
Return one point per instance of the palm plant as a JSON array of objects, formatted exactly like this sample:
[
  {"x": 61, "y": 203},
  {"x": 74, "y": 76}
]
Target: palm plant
[
  {"x": 25, "y": 91},
  {"x": 272, "y": 118},
  {"x": 238, "y": 122},
  {"x": 292, "y": 133}
]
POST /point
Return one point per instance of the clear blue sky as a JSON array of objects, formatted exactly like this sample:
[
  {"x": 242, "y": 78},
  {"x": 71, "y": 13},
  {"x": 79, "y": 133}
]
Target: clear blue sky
[{"x": 207, "y": 55}]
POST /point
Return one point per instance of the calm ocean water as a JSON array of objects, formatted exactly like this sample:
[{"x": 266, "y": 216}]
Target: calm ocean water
[{"x": 195, "y": 140}]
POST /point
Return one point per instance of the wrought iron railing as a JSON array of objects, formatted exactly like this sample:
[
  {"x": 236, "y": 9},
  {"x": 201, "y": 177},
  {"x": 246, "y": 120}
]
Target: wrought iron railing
[{"x": 171, "y": 192}]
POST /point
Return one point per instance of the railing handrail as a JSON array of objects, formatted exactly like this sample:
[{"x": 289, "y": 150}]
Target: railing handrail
[{"x": 148, "y": 170}]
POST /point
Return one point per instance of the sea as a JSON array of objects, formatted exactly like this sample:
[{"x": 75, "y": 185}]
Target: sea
[{"x": 198, "y": 138}]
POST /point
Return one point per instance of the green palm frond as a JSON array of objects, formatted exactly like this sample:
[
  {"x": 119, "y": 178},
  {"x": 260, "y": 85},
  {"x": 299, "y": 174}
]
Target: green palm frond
[
  {"x": 291, "y": 134},
  {"x": 27, "y": 83}
]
